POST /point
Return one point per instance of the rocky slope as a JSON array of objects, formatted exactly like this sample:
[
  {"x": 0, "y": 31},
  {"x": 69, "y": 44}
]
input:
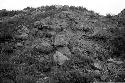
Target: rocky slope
[{"x": 60, "y": 44}]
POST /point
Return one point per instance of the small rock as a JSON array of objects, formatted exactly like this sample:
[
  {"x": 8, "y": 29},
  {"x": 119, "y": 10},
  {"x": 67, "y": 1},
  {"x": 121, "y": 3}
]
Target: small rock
[
  {"x": 97, "y": 72},
  {"x": 61, "y": 40},
  {"x": 23, "y": 29},
  {"x": 60, "y": 58},
  {"x": 65, "y": 51},
  {"x": 98, "y": 65},
  {"x": 24, "y": 35},
  {"x": 19, "y": 44},
  {"x": 37, "y": 23},
  {"x": 34, "y": 31},
  {"x": 23, "y": 32},
  {"x": 41, "y": 59},
  {"x": 115, "y": 61},
  {"x": 105, "y": 75},
  {"x": 42, "y": 45}
]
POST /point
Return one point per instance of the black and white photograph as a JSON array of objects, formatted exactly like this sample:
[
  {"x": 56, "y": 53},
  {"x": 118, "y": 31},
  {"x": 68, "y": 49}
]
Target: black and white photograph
[{"x": 62, "y": 41}]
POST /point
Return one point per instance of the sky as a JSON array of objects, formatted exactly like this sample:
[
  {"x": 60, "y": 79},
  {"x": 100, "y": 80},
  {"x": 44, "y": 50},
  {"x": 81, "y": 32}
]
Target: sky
[{"x": 102, "y": 7}]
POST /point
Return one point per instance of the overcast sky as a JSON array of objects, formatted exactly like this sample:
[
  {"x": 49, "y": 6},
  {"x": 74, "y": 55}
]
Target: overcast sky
[{"x": 100, "y": 6}]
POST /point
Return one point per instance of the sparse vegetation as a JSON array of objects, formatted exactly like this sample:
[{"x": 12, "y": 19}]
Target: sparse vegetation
[{"x": 60, "y": 44}]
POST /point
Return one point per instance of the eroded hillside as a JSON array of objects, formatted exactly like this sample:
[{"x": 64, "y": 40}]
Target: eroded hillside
[{"x": 61, "y": 44}]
